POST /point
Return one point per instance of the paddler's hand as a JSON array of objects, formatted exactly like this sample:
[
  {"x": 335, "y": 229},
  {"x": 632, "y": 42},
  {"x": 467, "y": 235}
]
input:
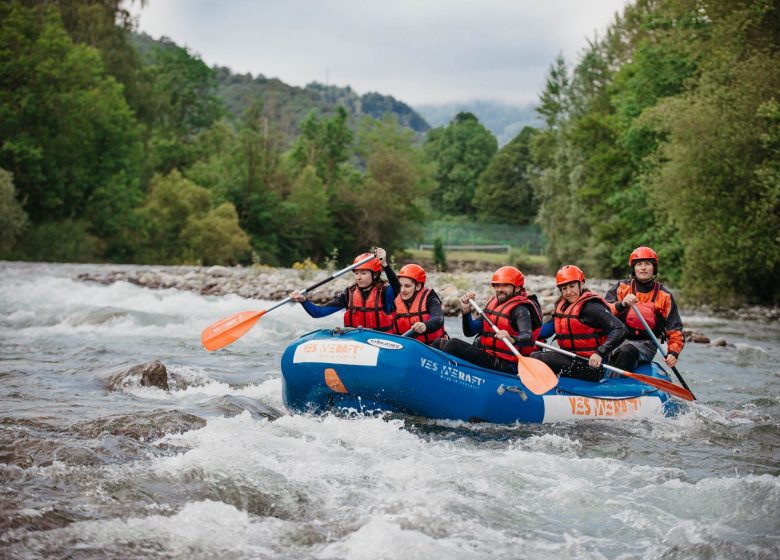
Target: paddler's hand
[
  {"x": 465, "y": 306},
  {"x": 296, "y": 296},
  {"x": 504, "y": 335},
  {"x": 381, "y": 254},
  {"x": 630, "y": 300},
  {"x": 419, "y": 328},
  {"x": 594, "y": 360},
  {"x": 671, "y": 360}
]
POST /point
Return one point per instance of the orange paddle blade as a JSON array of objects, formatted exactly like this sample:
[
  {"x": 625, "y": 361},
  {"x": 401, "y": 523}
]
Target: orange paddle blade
[
  {"x": 228, "y": 330},
  {"x": 536, "y": 375},
  {"x": 662, "y": 384}
]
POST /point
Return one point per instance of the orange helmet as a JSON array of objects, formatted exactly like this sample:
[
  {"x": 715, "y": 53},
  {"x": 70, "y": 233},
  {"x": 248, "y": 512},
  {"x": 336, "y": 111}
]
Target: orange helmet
[
  {"x": 508, "y": 275},
  {"x": 643, "y": 254},
  {"x": 413, "y": 271},
  {"x": 569, "y": 273},
  {"x": 373, "y": 265}
]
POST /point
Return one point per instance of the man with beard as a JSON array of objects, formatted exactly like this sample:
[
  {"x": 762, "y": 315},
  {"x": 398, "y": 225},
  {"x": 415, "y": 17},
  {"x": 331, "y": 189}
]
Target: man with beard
[
  {"x": 516, "y": 314},
  {"x": 657, "y": 306}
]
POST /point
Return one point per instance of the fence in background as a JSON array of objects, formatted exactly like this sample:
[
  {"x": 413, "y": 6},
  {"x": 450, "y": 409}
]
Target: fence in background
[{"x": 484, "y": 237}]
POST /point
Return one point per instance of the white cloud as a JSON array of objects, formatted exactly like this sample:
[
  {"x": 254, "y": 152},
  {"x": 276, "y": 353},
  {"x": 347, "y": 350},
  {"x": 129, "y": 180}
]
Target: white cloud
[{"x": 420, "y": 51}]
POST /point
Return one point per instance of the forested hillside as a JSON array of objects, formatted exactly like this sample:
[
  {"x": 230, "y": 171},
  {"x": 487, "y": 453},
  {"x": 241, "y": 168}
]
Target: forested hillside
[{"x": 666, "y": 132}]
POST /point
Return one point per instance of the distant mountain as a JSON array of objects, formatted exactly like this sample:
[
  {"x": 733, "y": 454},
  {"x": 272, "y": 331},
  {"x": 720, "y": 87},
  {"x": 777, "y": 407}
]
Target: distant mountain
[
  {"x": 288, "y": 105},
  {"x": 503, "y": 120}
]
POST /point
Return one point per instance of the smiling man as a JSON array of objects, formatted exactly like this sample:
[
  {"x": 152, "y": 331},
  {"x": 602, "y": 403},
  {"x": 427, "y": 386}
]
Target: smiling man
[
  {"x": 516, "y": 314},
  {"x": 657, "y": 306},
  {"x": 584, "y": 324}
]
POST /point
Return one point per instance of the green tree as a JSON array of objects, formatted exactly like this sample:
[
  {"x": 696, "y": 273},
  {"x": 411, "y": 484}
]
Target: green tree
[
  {"x": 170, "y": 205},
  {"x": 386, "y": 206},
  {"x": 324, "y": 144},
  {"x": 309, "y": 230},
  {"x": 504, "y": 193},
  {"x": 66, "y": 128},
  {"x": 460, "y": 152},
  {"x": 184, "y": 103},
  {"x": 13, "y": 219},
  {"x": 215, "y": 238}
]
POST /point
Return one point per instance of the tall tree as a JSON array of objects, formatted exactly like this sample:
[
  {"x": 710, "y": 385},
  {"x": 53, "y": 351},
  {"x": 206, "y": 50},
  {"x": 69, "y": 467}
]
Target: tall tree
[
  {"x": 460, "y": 151},
  {"x": 68, "y": 134},
  {"x": 505, "y": 193}
]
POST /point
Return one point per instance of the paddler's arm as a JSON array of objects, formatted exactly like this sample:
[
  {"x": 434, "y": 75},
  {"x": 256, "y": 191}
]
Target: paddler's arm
[
  {"x": 521, "y": 320},
  {"x": 437, "y": 315},
  {"x": 336, "y": 303}
]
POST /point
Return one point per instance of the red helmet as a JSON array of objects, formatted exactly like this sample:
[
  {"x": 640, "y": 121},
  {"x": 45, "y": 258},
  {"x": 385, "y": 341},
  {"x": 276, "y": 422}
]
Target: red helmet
[
  {"x": 413, "y": 271},
  {"x": 508, "y": 275},
  {"x": 373, "y": 265},
  {"x": 569, "y": 273},
  {"x": 643, "y": 254}
]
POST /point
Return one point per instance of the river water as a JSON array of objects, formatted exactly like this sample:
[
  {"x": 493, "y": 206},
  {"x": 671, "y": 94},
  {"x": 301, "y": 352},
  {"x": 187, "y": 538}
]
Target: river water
[{"x": 94, "y": 465}]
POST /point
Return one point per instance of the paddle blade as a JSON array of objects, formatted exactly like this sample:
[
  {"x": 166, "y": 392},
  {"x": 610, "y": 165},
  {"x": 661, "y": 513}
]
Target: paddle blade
[
  {"x": 536, "y": 375},
  {"x": 228, "y": 330},
  {"x": 662, "y": 384}
]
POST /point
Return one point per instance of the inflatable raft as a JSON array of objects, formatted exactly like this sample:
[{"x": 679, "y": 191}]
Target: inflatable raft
[{"x": 371, "y": 371}]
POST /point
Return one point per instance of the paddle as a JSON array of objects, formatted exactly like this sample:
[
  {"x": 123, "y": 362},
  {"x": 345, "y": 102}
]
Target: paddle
[
  {"x": 408, "y": 333},
  {"x": 228, "y": 330},
  {"x": 534, "y": 374},
  {"x": 667, "y": 386},
  {"x": 660, "y": 348}
]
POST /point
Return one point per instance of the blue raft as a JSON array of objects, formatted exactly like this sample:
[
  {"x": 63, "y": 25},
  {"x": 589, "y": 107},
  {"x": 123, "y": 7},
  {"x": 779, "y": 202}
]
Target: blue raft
[{"x": 368, "y": 371}]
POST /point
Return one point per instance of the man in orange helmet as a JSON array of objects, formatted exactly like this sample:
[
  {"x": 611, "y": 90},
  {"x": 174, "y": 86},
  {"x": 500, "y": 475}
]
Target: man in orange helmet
[
  {"x": 657, "y": 306},
  {"x": 584, "y": 324},
  {"x": 517, "y": 315},
  {"x": 368, "y": 303},
  {"x": 418, "y": 308}
]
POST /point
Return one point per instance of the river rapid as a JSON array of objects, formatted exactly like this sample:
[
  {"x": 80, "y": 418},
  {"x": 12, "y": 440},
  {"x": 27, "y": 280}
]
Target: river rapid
[{"x": 95, "y": 465}]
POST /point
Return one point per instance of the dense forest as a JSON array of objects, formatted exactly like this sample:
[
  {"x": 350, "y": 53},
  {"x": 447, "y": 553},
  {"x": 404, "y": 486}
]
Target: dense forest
[{"x": 665, "y": 132}]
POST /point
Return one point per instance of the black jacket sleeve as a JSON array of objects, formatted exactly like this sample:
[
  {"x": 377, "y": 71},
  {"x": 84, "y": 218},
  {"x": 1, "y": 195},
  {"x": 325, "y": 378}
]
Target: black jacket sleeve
[{"x": 597, "y": 315}]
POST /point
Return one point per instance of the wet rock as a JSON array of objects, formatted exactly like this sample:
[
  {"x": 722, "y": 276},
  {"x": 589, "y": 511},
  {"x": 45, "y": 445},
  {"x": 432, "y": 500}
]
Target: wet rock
[
  {"x": 719, "y": 342},
  {"x": 150, "y": 425},
  {"x": 700, "y": 338},
  {"x": 148, "y": 374}
]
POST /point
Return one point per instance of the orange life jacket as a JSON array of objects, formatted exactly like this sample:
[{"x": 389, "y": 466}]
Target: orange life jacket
[
  {"x": 500, "y": 314},
  {"x": 653, "y": 310},
  {"x": 369, "y": 313},
  {"x": 574, "y": 335},
  {"x": 406, "y": 315}
]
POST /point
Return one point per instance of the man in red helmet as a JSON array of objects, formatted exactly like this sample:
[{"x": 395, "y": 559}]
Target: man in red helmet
[
  {"x": 583, "y": 323},
  {"x": 517, "y": 315},
  {"x": 657, "y": 306},
  {"x": 418, "y": 308},
  {"x": 368, "y": 303}
]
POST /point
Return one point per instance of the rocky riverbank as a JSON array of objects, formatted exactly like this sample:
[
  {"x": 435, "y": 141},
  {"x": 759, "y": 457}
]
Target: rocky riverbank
[{"x": 273, "y": 284}]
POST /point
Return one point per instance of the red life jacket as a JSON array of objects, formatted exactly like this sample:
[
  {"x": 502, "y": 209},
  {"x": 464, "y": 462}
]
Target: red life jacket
[
  {"x": 500, "y": 314},
  {"x": 648, "y": 310},
  {"x": 369, "y": 313},
  {"x": 405, "y": 315},
  {"x": 574, "y": 335}
]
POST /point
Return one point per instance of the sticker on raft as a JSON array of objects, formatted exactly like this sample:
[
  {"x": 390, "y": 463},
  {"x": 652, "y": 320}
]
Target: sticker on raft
[
  {"x": 386, "y": 344},
  {"x": 562, "y": 407},
  {"x": 349, "y": 353},
  {"x": 453, "y": 374}
]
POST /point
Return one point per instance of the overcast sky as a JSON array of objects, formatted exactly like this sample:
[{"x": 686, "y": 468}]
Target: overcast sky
[{"x": 419, "y": 51}]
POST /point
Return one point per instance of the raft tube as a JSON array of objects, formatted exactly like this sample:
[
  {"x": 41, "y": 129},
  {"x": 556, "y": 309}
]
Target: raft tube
[{"x": 370, "y": 371}]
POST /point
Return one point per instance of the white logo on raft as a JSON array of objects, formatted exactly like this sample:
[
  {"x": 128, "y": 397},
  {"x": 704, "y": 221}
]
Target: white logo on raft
[
  {"x": 386, "y": 344},
  {"x": 333, "y": 352},
  {"x": 453, "y": 374},
  {"x": 562, "y": 407}
]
